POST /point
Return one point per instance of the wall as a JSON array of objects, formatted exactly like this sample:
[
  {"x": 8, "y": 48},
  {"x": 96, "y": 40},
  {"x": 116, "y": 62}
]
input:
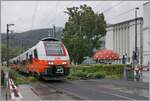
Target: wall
[
  {"x": 120, "y": 37},
  {"x": 146, "y": 34}
]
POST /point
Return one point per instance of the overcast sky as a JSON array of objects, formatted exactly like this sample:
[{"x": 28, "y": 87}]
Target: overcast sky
[{"x": 27, "y": 15}]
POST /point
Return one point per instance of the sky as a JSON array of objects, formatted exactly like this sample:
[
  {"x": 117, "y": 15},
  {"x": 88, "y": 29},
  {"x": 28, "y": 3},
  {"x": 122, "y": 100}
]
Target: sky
[{"x": 30, "y": 15}]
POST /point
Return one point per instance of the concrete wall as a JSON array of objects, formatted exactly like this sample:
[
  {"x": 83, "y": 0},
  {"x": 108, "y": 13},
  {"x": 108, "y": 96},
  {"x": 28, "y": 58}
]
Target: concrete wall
[{"x": 146, "y": 34}]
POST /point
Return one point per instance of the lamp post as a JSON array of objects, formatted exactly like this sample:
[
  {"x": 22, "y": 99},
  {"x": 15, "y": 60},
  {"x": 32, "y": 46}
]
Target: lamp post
[
  {"x": 136, "y": 30},
  {"x": 135, "y": 53},
  {"x": 8, "y": 25}
]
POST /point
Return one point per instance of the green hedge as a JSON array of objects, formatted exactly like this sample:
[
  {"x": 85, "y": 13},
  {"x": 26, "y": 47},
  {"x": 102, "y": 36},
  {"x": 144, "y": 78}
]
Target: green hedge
[{"x": 97, "y": 71}]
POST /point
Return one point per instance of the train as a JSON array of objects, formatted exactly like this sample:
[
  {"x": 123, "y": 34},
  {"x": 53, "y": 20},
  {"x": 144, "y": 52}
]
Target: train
[{"x": 48, "y": 59}]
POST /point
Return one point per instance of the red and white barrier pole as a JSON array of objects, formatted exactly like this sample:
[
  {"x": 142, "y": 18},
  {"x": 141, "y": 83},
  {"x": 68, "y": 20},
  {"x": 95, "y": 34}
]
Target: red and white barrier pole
[{"x": 14, "y": 91}]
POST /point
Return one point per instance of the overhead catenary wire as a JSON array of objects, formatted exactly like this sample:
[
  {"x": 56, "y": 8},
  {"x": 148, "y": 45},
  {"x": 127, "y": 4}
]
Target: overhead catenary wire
[
  {"x": 124, "y": 13},
  {"x": 114, "y": 6},
  {"x": 53, "y": 19},
  {"x": 34, "y": 15}
]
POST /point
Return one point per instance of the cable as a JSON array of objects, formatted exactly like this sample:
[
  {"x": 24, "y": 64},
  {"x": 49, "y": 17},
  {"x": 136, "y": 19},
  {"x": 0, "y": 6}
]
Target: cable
[
  {"x": 124, "y": 13},
  {"x": 109, "y": 9},
  {"x": 34, "y": 14},
  {"x": 53, "y": 19}
]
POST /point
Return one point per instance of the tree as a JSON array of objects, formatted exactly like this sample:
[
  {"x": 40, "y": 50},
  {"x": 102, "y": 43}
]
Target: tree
[
  {"x": 13, "y": 52},
  {"x": 83, "y": 31}
]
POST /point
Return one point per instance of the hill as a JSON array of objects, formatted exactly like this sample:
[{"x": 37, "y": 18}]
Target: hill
[{"x": 29, "y": 38}]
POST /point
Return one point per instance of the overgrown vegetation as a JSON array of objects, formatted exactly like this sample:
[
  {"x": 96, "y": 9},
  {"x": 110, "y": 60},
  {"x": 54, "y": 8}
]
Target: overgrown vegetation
[
  {"x": 97, "y": 71},
  {"x": 20, "y": 79},
  {"x": 13, "y": 52}
]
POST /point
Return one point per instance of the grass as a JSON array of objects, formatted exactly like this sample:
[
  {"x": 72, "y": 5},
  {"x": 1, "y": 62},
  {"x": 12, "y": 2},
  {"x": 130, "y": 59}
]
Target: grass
[
  {"x": 97, "y": 71},
  {"x": 18, "y": 78}
]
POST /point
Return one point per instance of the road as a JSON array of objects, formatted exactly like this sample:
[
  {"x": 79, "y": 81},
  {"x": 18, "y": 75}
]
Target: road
[
  {"x": 104, "y": 89},
  {"x": 145, "y": 76}
]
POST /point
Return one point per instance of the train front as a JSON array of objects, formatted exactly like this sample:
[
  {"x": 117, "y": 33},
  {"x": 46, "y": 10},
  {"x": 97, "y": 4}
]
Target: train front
[{"x": 57, "y": 60}]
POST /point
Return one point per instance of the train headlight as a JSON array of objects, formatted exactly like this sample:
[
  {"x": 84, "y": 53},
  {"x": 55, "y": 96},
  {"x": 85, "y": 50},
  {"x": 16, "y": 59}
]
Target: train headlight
[
  {"x": 64, "y": 63},
  {"x": 50, "y": 63}
]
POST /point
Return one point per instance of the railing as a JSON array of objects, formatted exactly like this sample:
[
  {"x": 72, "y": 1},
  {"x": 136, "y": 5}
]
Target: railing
[{"x": 13, "y": 91}]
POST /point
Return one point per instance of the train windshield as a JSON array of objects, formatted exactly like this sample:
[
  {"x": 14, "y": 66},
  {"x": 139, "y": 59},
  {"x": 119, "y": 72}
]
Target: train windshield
[{"x": 54, "y": 48}]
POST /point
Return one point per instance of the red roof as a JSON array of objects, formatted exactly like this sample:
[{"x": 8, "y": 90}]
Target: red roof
[{"x": 105, "y": 55}]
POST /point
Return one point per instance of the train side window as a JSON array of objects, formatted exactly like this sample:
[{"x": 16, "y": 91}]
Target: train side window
[
  {"x": 26, "y": 56},
  {"x": 31, "y": 58},
  {"x": 35, "y": 54}
]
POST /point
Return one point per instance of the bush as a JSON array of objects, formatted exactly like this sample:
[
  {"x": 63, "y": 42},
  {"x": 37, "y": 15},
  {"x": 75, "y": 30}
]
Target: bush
[
  {"x": 97, "y": 71},
  {"x": 13, "y": 74},
  {"x": 99, "y": 75},
  {"x": 20, "y": 79},
  {"x": 90, "y": 75}
]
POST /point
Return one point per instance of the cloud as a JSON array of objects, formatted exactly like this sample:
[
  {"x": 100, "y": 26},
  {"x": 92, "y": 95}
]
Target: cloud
[{"x": 27, "y": 15}]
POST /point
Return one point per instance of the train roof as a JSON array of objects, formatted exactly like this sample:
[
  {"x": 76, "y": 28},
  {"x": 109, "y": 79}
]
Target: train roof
[{"x": 49, "y": 39}]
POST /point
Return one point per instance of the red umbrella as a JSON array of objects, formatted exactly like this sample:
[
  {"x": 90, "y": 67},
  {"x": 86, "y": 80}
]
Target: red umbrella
[{"x": 105, "y": 55}]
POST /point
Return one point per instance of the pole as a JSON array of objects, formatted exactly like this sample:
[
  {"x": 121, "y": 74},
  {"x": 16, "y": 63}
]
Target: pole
[
  {"x": 54, "y": 33},
  {"x": 135, "y": 54},
  {"x": 136, "y": 30},
  {"x": 7, "y": 51}
]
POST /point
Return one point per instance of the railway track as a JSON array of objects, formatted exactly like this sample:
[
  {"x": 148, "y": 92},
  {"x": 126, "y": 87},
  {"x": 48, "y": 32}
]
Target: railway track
[
  {"x": 84, "y": 90},
  {"x": 47, "y": 91}
]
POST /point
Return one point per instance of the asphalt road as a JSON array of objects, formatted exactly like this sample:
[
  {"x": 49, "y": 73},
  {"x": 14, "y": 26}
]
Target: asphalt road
[
  {"x": 145, "y": 76},
  {"x": 105, "y": 89}
]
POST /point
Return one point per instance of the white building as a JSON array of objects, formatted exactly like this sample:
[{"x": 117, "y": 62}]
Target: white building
[
  {"x": 146, "y": 34},
  {"x": 120, "y": 37}
]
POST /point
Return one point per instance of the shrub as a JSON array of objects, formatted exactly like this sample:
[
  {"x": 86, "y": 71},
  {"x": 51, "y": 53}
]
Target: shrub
[
  {"x": 13, "y": 74},
  {"x": 90, "y": 75},
  {"x": 97, "y": 71},
  {"x": 99, "y": 75}
]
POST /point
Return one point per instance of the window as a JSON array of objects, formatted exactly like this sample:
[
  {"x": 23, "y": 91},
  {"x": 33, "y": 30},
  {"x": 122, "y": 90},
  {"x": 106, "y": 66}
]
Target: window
[
  {"x": 35, "y": 54},
  {"x": 30, "y": 58},
  {"x": 54, "y": 48},
  {"x": 26, "y": 56}
]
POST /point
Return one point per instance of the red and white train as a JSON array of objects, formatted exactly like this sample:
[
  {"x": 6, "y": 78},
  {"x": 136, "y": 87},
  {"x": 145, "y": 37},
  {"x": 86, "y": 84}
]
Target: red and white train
[{"x": 48, "y": 59}]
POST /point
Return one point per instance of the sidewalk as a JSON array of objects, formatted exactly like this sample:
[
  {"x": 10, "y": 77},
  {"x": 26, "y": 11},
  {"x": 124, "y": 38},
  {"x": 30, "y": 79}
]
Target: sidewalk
[
  {"x": 3, "y": 93},
  {"x": 27, "y": 92}
]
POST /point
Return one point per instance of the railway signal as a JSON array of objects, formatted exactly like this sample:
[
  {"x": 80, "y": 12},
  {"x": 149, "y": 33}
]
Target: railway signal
[{"x": 8, "y": 25}]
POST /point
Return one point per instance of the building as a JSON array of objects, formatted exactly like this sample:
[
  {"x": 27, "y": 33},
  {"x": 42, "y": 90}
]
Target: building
[
  {"x": 146, "y": 33},
  {"x": 120, "y": 38}
]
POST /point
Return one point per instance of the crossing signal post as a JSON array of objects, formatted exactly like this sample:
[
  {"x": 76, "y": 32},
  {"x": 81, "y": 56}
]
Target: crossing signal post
[
  {"x": 8, "y": 25},
  {"x": 135, "y": 56}
]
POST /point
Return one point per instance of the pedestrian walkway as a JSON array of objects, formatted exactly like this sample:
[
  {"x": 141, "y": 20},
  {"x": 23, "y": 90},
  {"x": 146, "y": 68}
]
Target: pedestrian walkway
[
  {"x": 27, "y": 92},
  {"x": 3, "y": 93}
]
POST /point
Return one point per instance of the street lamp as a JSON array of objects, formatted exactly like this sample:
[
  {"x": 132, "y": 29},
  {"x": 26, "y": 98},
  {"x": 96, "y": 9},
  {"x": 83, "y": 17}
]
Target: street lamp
[
  {"x": 135, "y": 53},
  {"x": 8, "y": 25},
  {"x": 136, "y": 30}
]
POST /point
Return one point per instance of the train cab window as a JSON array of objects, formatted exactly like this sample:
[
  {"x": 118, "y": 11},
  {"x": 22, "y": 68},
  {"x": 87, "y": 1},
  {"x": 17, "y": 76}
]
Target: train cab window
[
  {"x": 35, "y": 54},
  {"x": 30, "y": 58},
  {"x": 54, "y": 48}
]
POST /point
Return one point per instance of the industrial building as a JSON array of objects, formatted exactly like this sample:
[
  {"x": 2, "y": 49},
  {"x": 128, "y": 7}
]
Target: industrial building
[
  {"x": 146, "y": 34},
  {"x": 120, "y": 38}
]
